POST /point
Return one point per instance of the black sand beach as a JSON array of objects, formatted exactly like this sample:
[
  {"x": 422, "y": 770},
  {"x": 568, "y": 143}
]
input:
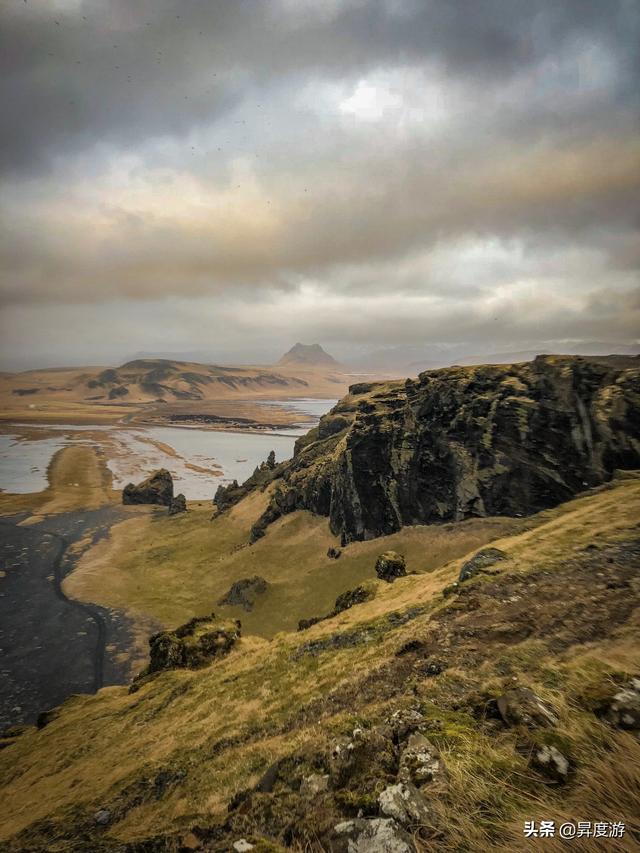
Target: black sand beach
[{"x": 52, "y": 646}]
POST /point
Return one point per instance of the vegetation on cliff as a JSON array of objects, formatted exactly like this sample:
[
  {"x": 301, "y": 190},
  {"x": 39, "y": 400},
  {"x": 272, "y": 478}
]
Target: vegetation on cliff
[{"x": 463, "y": 442}]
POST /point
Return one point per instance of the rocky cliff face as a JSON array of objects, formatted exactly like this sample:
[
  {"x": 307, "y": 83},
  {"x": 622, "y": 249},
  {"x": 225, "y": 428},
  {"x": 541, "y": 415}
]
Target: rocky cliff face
[{"x": 465, "y": 441}]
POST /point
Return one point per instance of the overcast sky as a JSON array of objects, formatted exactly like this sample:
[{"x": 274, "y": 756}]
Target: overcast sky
[{"x": 231, "y": 176}]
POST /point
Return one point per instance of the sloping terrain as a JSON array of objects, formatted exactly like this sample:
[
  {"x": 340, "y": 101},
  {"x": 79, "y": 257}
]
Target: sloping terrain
[
  {"x": 170, "y": 569},
  {"x": 158, "y": 387},
  {"x": 496, "y": 682},
  {"x": 281, "y": 742}
]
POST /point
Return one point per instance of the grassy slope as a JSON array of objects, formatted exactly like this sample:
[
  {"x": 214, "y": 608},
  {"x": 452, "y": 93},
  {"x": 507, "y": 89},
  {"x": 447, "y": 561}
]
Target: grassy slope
[
  {"x": 216, "y": 730},
  {"x": 169, "y": 569}
]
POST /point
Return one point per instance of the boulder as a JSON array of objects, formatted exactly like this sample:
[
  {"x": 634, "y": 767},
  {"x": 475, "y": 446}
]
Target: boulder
[
  {"x": 245, "y": 592},
  {"x": 372, "y": 835},
  {"x": 102, "y": 817},
  {"x": 46, "y": 717},
  {"x": 242, "y": 845},
  {"x": 420, "y": 762},
  {"x": 178, "y": 504},
  {"x": 521, "y": 707},
  {"x": 344, "y": 601},
  {"x": 624, "y": 709},
  {"x": 227, "y": 496},
  {"x": 551, "y": 763},
  {"x": 404, "y": 721},
  {"x": 405, "y": 803},
  {"x": 350, "y": 598},
  {"x": 156, "y": 489},
  {"x": 390, "y": 566},
  {"x": 334, "y": 553},
  {"x": 479, "y": 562},
  {"x": 192, "y": 645}
]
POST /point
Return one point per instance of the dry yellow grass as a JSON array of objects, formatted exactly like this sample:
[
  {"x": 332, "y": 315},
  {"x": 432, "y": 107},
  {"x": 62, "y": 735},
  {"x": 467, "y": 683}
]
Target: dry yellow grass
[
  {"x": 172, "y": 568},
  {"x": 225, "y": 724}
]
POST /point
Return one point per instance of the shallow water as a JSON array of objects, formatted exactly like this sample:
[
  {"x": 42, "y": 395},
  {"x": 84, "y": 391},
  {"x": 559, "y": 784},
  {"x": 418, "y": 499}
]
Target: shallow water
[
  {"x": 234, "y": 454},
  {"x": 23, "y": 464},
  {"x": 131, "y": 456}
]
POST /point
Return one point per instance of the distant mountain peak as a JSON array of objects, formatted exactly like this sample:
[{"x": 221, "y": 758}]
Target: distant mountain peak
[{"x": 308, "y": 354}]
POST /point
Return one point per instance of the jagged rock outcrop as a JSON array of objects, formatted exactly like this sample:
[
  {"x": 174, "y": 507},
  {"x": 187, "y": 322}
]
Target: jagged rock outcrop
[
  {"x": 345, "y": 601},
  {"x": 156, "y": 489},
  {"x": 244, "y": 592},
  {"x": 178, "y": 505},
  {"x": 229, "y": 495},
  {"x": 390, "y": 566},
  {"x": 463, "y": 442},
  {"x": 192, "y": 645},
  {"x": 480, "y": 562}
]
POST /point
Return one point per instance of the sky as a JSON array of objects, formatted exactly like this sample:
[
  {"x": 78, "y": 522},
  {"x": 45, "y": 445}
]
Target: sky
[{"x": 228, "y": 177}]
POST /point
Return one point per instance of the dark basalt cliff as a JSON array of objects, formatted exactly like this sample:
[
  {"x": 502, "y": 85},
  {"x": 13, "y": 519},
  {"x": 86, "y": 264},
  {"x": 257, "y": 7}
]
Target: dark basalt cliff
[{"x": 464, "y": 441}]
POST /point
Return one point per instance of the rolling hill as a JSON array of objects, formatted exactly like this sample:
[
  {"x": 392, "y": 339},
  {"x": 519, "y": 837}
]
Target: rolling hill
[{"x": 156, "y": 387}]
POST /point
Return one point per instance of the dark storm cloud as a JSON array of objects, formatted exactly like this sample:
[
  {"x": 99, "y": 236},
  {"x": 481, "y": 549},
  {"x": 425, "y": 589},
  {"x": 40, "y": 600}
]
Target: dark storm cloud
[
  {"x": 466, "y": 169},
  {"x": 124, "y": 71}
]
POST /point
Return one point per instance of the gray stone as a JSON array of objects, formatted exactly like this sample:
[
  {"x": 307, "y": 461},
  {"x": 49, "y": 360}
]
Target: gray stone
[
  {"x": 242, "y": 845},
  {"x": 404, "y": 721},
  {"x": 341, "y": 760},
  {"x": 624, "y": 709},
  {"x": 405, "y": 803},
  {"x": 420, "y": 762},
  {"x": 551, "y": 762},
  {"x": 375, "y": 835},
  {"x": 102, "y": 817},
  {"x": 521, "y": 707}
]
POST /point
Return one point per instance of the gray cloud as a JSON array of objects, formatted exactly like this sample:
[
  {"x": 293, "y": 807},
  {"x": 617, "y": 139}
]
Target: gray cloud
[
  {"x": 122, "y": 71},
  {"x": 454, "y": 155}
]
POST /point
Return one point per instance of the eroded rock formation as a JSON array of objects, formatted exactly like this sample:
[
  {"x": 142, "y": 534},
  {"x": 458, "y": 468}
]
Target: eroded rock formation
[
  {"x": 156, "y": 489},
  {"x": 462, "y": 442},
  {"x": 192, "y": 645}
]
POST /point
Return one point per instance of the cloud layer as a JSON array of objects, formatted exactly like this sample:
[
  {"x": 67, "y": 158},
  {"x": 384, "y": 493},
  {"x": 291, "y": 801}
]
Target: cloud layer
[{"x": 353, "y": 171}]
